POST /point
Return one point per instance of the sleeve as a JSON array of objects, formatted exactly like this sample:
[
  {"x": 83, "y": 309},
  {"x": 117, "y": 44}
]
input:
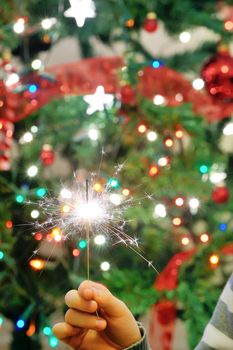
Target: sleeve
[
  {"x": 142, "y": 344},
  {"x": 218, "y": 333}
]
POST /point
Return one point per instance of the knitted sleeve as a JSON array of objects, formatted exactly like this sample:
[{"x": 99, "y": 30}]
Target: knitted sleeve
[
  {"x": 218, "y": 333},
  {"x": 142, "y": 344}
]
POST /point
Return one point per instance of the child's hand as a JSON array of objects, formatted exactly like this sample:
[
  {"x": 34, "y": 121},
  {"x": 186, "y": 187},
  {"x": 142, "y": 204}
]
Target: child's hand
[{"x": 113, "y": 328}]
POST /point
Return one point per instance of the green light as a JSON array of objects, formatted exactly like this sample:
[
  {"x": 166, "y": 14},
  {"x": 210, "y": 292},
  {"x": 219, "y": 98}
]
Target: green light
[
  {"x": 41, "y": 192},
  {"x": 203, "y": 169},
  {"x": 53, "y": 342},
  {"x": 1, "y": 321},
  {"x": 82, "y": 244},
  {"x": 47, "y": 330},
  {"x": 19, "y": 198},
  {"x": 114, "y": 183},
  {"x": 1, "y": 255}
]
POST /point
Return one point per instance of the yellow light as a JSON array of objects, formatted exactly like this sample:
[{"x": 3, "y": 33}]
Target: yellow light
[
  {"x": 98, "y": 187},
  {"x": 185, "y": 241},
  {"x": 126, "y": 192},
  {"x": 142, "y": 128},
  {"x": 65, "y": 208},
  {"x": 169, "y": 143},
  {"x": 228, "y": 25},
  {"x": 56, "y": 231},
  {"x": 179, "y": 134},
  {"x": 204, "y": 238},
  {"x": 130, "y": 23},
  {"x": 176, "y": 221},
  {"x": 214, "y": 259},
  {"x": 153, "y": 170},
  {"x": 37, "y": 264}
]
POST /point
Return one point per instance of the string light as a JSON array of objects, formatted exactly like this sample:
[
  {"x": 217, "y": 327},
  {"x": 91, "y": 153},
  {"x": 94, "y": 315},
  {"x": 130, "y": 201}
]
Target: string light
[
  {"x": 214, "y": 260},
  {"x": 228, "y": 129},
  {"x": 35, "y": 214},
  {"x": 222, "y": 227},
  {"x": 41, "y": 192},
  {"x": 100, "y": 239},
  {"x": 1, "y": 255},
  {"x": 142, "y": 128},
  {"x": 76, "y": 252},
  {"x": 56, "y": 234},
  {"x": 126, "y": 192},
  {"x": 9, "y": 224},
  {"x": 53, "y": 342},
  {"x": 34, "y": 129},
  {"x": 1, "y": 321},
  {"x": 177, "y": 221},
  {"x": 114, "y": 183},
  {"x": 153, "y": 171},
  {"x": 98, "y": 187},
  {"x": 179, "y": 134},
  {"x": 152, "y": 136},
  {"x": 198, "y": 84},
  {"x": 65, "y": 193},
  {"x": 12, "y": 79},
  {"x": 168, "y": 142},
  {"x": 66, "y": 208},
  {"x": 93, "y": 134},
  {"x": 38, "y": 236},
  {"x": 105, "y": 266},
  {"x": 204, "y": 238},
  {"x": 82, "y": 244},
  {"x": 163, "y": 161},
  {"x": 160, "y": 211},
  {"x": 203, "y": 169},
  {"x": 185, "y": 37},
  {"x": 228, "y": 25},
  {"x": 32, "y": 88},
  {"x": 32, "y": 171},
  {"x": 156, "y": 64},
  {"x": 185, "y": 241},
  {"x": 19, "y": 26},
  {"x": 115, "y": 198},
  {"x": 47, "y": 331},
  {"x": 47, "y": 23},
  {"x": 20, "y": 198},
  {"x": 26, "y": 138},
  {"x": 37, "y": 264},
  {"x": 36, "y": 64},
  {"x": 159, "y": 100},
  {"x": 179, "y": 201},
  {"x": 20, "y": 324}
]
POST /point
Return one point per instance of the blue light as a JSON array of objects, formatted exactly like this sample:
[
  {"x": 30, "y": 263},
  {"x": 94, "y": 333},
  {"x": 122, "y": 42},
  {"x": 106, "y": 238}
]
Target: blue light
[
  {"x": 156, "y": 64},
  {"x": 203, "y": 169},
  {"x": 1, "y": 255},
  {"x": 53, "y": 342},
  {"x": 20, "y": 324},
  {"x": 222, "y": 227},
  {"x": 32, "y": 88},
  {"x": 47, "y": 330}
]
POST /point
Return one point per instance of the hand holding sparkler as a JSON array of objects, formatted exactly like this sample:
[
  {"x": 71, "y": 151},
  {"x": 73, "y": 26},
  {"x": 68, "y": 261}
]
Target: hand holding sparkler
[{"x": 115, "y": 328}]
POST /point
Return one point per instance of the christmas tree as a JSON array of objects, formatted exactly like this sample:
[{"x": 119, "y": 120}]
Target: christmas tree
[{"x": 151, "y": 132}]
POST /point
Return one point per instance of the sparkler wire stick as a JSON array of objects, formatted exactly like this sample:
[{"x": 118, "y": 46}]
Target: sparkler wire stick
[{"x": 87, "y": 229}]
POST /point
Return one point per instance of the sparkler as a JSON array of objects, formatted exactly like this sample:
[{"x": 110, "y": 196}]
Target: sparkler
[{"x": 88, "y": 209}]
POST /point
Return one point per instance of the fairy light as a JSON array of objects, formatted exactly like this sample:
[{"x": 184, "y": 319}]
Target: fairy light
[
  {"x": 105, "y": 266},
  {"x": 228, "y": 129},
  {"x": 93, "y": 134},
  {"x": 65, "y": 193},
  {"x": 179, "y": 201},
  {"x": 48, "y": 23},
  {"x": 142, "y": 128},
  {"x": 9, "y": 224},
  {"x": 37, "y": 264},
  {"x": 98, "y": 187},
  {"x": 26, "y": 138},
  {"x": 228, "y": 25},
  {"x": 185, "y": 37},
  {"x": 76, "y": 252},
  {"x": 56, "y": 234},
  {"x": 32, "y": 171},
  {"x": 153, "y": 170},
  {"x": 160, "y": 211},
  {"x": 100, "y": 239},
  {"x": 36, "y": 64},
  {"x": 12, "y": 79},
  {"x": 204, "y": 238},
  {"x": 47, "y": 331},
  {"x": 198, "y": 84},
  {"x": 20, "y": 324},
  {"x": 1, "y": 321},
  {"x": 2, "y": 255},
  {"x": 177, "y": 221},
  {"x": 214, "y": 260},
  {"x": 19, "y": 26},
  {"x": 34, "y": 129},
  {"x": 163, "y": 161},
  {"x": 185, "y": 241},
  {"x": 179, "y": 134},
  {"x": 152, "y": 136},
  {"x": 38, "y": 236},
  {"x": 53, "y": 342},
  {"x": 179, "y": 97},
  {"x": 159, "y": 100},
  {"x": 168, "y": 142},
  {"x": 66, "y": 208},
  {"x": 126, "y": 192},
  {"x": 35, "y": 214}
]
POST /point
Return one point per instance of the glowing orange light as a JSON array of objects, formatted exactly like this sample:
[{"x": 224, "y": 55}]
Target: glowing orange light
[
  {"x": 130, "y": 23},
  {"x": 214, "y": 259},
  {"x": 153, "y": 170},
  {"x": 37, "y": 264},
  {"x": 38, "y": 236},
  {"x": 179, "y": 134},
  {"x": 98, "y": 187},
  {"x": 9, "y": 224},
  {"x": 55, "y": 231},
  {"x": 185, "y": 241},
  {"x": 142, "y": 128},
  {"x": 224, "y": 69},
  {"x": 179, "y": 201},
  {"x": 126, "y": 192},
  {"x": 228, "y": 25},
  {"x": 31, "y": 330},
  {"x": 76, "y": 252},
  {"x": 1, "y": 126},
  {"x": 204, "y": 238},
  {"x": 177, "y": 221},
  {"x": 169, "y": 142},
  {"x": 65, "y": 208}
]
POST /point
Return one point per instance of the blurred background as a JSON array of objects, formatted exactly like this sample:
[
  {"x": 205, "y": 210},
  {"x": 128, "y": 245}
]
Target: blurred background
[{"x": 138, "y": 96}]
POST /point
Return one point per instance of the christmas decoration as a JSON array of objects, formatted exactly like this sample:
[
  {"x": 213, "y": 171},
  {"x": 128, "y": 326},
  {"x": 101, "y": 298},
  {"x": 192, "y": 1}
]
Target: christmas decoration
[
  {"x": 47, "y": 155},
  {"x": 220, "y": 195},
  {"x": 151, "y": 23},
  {"x": 81, "y": 10},
  {"x": 217, "y": 74},
  {"x": 6, "y": 140}
]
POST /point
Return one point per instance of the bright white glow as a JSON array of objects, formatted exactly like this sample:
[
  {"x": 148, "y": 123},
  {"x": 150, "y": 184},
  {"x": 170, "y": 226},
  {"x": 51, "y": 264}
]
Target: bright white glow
[
  {"x": 160, "y": 211},
  {"x": 105, "y": 266},
  {"x": 159, "y": 100},
  {"x": 12, "y": 79},
  {"x": 198, "y": 84},
  {"x": 228, "y": 129},
  {"x": 115, "y": 198},
  {"x": 93, "y": 134},
  {"x": 34, "y": 129},
  {"x": 26, "y": 138},
  {"x": 185, "y": 241},
  {"x": 35, "y": 214},
  {"x": 36, "y": 64},
  {"x": 81, "y": 10},
  {"x": 216, "y": 177},
  {"x": 32, "y": 171},
  {"x": 179, "y": 201},
  {"x": 194, "y": 203},
  {"x": 47, "y": 23},
  {"x": 99, "y": 239},
  {"x": 98, "y": 101},
  {"x": 152, "y": 136},
  {"x": 89, "y": 211},
  {"x": 65, "y": 193},
  {"x": 163, "y": 161},
  {"x": 19, "y": 26},
  {"x": 185, "y": 37}
]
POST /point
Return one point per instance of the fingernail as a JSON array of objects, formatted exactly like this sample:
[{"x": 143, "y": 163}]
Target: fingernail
[{"x": 100, "y": 324}]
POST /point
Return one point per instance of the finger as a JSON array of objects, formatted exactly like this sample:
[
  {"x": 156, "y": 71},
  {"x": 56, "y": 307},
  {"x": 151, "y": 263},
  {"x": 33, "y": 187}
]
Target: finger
[
  {"x": 74, "y": 301},
  {"x": 64, "y": 330},
  {"x": 104, "y": 298},
  {"x": 84, "y": 320}
]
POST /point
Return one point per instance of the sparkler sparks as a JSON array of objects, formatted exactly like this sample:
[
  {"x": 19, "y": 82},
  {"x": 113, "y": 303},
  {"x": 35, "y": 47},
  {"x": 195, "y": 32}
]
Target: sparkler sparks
[{"x": 87, "y": 210}]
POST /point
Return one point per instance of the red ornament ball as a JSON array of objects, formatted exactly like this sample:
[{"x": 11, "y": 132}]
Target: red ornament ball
[
  {"x": 127, "y": 95},
  {"x": 47, "y": 155},
  {"x": 220, "y": 195},
  {"x": 150, "y": 24},
  {"x": 217, "y": 74}
]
